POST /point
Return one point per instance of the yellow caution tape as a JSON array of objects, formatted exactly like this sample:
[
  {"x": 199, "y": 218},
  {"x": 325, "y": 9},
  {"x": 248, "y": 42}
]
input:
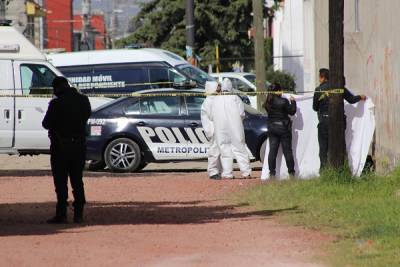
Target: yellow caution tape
[
  {"x": 325, "y": 94},
  {"x": 135, "y": 94}
]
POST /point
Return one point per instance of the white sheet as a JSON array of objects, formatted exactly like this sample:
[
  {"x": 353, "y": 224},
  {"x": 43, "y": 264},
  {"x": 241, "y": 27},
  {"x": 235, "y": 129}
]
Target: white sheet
[{"x": 359, "y": 134}]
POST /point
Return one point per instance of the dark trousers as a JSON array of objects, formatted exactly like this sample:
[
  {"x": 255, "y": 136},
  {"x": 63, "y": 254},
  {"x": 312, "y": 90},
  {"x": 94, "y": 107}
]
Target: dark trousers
[
  {"x": 276, "y": 137},
  {"x": 323, "y": 139},
  {"x": 68, "y": 162}
]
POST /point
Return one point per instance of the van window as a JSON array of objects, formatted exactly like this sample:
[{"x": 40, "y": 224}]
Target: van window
[
  {"x": 108, "y": 78},
  {"x": 195, "y": 74},
  {"x": 159, "y": 78},
  {"x": 120, "y": 79},
  {"x": 165, "y": 77},
  {"x": 36, "y": 79}
]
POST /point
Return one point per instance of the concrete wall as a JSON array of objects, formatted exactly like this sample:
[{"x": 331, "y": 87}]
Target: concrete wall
[
  {"x": 316, "y": 43},
  {"x": 372, "y": 67},
  {"x": 372, "y": 53},
  {"x": 288, "y": 40}
]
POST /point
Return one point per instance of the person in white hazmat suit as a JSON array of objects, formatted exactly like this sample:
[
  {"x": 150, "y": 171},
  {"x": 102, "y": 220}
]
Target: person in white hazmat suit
[
  {"x": 227, "y": 116},
  {"x": 214, "y": 163}
]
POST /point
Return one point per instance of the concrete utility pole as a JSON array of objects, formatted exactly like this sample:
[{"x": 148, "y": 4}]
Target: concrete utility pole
[
  {"x": 86, "y": 10},
  {"x": 189, "y": 29},
  {"x": 336, "y": 147},
  {"x": 259, "y": 57}
]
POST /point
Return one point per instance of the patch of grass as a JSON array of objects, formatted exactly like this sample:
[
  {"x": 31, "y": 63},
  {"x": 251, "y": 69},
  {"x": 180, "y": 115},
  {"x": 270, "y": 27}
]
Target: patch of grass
[{"x": 364, "y": 213}]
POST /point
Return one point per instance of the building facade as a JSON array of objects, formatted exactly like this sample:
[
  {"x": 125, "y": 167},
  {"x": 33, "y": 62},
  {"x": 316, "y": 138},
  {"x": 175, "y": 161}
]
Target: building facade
[
  {"x": 59, "y": 25},
  {"x": 98, "y": 37},
  {"x": 27, "y": 17}
]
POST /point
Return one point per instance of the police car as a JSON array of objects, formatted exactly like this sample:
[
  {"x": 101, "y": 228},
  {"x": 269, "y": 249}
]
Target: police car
[{"x": 159, "y": 126}]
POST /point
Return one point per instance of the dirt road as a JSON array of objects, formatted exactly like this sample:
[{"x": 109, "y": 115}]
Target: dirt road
[{"x": 147, "y": 219}]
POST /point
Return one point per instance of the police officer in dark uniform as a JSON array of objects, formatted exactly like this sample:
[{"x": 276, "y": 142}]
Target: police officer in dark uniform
[
  {"x": 279, "y": 128},
  {"x": 66, "y": 120},
  {"x": 321, "y": 105}
]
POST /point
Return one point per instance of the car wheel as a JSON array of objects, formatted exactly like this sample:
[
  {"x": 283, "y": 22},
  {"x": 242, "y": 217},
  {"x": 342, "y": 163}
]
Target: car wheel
[
  {"x": 122, "y": 155},
  {"x": 142, "y": 166},
  {"x": 96, "y": 165},
  {"x": 262, "y": 150}
]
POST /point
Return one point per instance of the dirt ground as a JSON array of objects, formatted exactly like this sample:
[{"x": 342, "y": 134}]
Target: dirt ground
[{"x": 155, "y": 218}]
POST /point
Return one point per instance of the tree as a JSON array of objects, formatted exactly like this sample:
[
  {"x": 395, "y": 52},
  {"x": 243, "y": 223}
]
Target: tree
[
  {"x": 336, "y": 147},
  {"x": 161, "y": 23}
]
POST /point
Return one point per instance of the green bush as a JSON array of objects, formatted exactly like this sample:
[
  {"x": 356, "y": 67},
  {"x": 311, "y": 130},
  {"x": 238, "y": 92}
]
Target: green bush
[{"x": 285, "y": 79}]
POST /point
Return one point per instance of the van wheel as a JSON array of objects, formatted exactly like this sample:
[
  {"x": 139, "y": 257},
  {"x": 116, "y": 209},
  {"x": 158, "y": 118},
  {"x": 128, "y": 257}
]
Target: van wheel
[
  {"x": 262, "y": 150},
  {"x": 96, "y": 165},
  {"x": 122, "y": 155}
]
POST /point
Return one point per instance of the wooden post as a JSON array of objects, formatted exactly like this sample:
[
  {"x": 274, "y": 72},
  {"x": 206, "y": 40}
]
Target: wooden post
[
  {"x": 336, "y": 147},
  {"x": 259, "y": 48}
]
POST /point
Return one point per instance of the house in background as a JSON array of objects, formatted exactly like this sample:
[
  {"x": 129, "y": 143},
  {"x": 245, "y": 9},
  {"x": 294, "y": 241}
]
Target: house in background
[
  {"x": 372, "y": 53},
  {"x": 58, "y": 25},
  {"x": 98, "y": 36},
  {"x": 27, "y": 17}
]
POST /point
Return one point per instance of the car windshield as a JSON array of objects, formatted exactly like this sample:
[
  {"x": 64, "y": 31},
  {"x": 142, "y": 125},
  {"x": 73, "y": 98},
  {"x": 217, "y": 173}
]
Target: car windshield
[
  {"x": 251, "y": 78},
  {"x": 195, "y": 74}
]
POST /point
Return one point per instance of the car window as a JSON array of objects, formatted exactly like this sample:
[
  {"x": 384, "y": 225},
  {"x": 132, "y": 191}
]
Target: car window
[
  {"x": 193, "y": 104},
  {"x": 161, "y": 105},
  {"x": 36, "y": 79},
  {"x": 132, "y": 108}
]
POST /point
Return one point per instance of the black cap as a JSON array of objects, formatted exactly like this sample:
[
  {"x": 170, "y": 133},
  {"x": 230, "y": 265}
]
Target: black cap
[{"x": 60, "y": 85}]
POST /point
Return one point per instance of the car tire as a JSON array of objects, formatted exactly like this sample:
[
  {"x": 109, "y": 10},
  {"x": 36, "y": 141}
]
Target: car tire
[
  {"x": 262, "y": 150},
  {"x": 142, "y": 166},
  {"x": 96, "y": 165},
  {"x": 122, "y": 155}
]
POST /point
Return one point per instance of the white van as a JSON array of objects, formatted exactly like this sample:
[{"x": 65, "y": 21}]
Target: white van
[
  {"x": 126, "y": 70},
  {"x": 24, "y": 72}
]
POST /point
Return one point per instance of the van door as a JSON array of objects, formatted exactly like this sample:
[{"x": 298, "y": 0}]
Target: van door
[
  {"x": 32, "y": 79},
  {"x": 6, "y": 104}
]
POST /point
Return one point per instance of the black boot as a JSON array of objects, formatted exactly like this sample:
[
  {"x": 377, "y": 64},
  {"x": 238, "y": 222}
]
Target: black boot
[
  {"x": 78, "y": 214},
  {"x": 61, "y": 215}
]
